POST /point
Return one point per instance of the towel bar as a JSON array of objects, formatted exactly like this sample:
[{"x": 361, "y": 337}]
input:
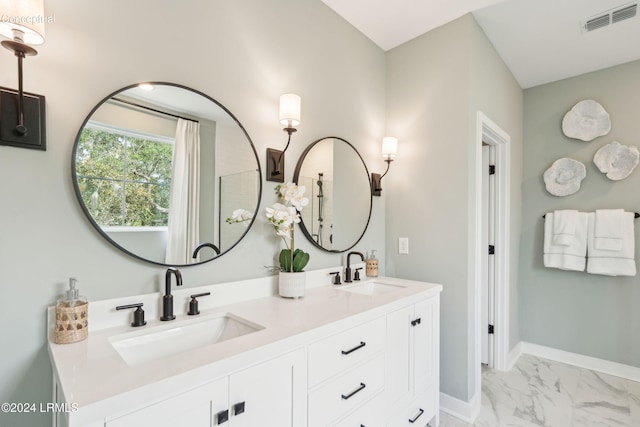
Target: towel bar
[{"x": 635, "y": 215}]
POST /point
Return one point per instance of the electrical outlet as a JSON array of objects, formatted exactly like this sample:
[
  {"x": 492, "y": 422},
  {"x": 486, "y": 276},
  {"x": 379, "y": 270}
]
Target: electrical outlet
[{"x": 403, "y": 245}]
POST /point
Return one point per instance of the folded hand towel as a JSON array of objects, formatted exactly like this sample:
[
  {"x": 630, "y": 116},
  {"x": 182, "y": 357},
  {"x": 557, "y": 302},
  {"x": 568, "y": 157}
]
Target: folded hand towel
[
  {"x": 608, "y": 262},
  {"x": 566, "y": 257},
  {"x": 608, "y": 229},
  {"x": 564, "y": 226}
]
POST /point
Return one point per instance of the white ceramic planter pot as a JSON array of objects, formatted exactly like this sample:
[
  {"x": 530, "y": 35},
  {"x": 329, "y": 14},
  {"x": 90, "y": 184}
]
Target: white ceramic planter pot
[{"x": 291, "y": 285}]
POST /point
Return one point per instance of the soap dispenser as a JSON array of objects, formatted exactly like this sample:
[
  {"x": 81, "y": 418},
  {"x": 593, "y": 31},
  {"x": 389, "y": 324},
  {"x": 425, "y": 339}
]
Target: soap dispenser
[
  {"x": 372, "y": 265},
  {"x": 72, "y": 312}
]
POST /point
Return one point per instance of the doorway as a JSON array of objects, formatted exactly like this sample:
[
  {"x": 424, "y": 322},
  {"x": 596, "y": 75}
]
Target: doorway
[{"x": 491, "y": 230}]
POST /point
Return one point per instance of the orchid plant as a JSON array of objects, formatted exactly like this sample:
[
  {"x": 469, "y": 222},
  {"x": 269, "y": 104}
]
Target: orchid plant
[
  {"x": 240, "y": 216},
  {"x": 283, "y": 216}
]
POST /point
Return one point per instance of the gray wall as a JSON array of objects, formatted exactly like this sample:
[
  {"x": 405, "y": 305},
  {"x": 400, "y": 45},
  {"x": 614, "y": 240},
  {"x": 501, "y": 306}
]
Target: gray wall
[
  {"x": 238, "y": 52},
  {"x": 587, "y": 314},
  {"x": 496, "y": 93},
  {"x": 435, "y": 84}
]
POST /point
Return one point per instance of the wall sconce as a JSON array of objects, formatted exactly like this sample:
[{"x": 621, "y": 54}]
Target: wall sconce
[
  {"x": 290, "y": 117},
  {"x": 22, "y": 115},
  {"x": 389, "y": 151}
]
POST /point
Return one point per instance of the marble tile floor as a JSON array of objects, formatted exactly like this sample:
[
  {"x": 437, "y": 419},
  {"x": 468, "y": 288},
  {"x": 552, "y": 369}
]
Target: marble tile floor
[{"x": 541, "y": 392}]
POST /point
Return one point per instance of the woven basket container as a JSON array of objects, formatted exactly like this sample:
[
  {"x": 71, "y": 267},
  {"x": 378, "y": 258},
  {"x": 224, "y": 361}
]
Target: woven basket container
[
  {"x": 71, "y": 323},
  {"x": 372, "y": 268}
]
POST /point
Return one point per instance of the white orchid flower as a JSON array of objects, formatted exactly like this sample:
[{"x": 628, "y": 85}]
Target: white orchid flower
[
  {"x": 240, "y": 215},
  {"x": 281, "y": 215}
]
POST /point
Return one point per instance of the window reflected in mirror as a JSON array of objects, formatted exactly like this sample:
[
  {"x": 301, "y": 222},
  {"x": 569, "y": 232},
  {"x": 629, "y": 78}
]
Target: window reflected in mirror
[{"x": 158, "y": 172}]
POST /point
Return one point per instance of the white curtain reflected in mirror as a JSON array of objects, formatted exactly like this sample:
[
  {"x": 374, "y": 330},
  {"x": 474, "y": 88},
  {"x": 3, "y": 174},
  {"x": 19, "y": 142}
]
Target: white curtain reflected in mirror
[{"x": 183, "y": 231}]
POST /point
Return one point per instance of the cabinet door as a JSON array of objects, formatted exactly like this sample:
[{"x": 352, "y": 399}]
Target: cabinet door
[
  {"x": 397, "y": 356},
  {"x": 271, "y": 394},
  {"x": 195, "y": 408},
  {"x": 426, "y": 343}
]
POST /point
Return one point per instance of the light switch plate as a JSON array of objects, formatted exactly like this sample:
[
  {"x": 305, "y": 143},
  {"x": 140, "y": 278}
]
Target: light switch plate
[{"x": 403, "y": 245}]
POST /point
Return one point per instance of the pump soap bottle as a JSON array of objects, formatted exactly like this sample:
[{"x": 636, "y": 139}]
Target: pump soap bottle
[
  {"x": 372, "y": 265},
  {"x": 72, "y": 312}
]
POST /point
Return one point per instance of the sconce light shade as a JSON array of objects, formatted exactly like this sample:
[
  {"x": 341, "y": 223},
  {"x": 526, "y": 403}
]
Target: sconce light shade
[
  {"x": 290, "y": 118},
  {"x": 23, "y": 16},
  {"x": 290, "y": 110},
  {"x": 389, "y": 147}
]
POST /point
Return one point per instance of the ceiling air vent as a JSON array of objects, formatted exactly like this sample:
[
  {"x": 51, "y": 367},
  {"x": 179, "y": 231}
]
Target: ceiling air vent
[
  {"x": 597, "y": 22},
  {"x": 612, "y": 16},
  {"x": 625, "y": 13}
]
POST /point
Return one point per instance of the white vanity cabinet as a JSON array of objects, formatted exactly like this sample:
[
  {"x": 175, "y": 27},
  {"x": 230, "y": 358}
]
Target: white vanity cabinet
[
  {"x": 412, "y": 364},
  {"x": 270, "y": 393},
  {"x": 336, "y": 358}
]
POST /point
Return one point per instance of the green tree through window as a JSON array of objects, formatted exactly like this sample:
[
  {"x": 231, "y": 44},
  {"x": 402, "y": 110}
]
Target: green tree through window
[{"x": 124, "y": 180}]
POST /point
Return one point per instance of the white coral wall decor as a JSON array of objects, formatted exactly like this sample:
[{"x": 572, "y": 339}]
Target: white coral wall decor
[
  {"x": 564, "y": 176},
  {"x": 617, "y": 160},
  {"x": 586, "y": 121}
]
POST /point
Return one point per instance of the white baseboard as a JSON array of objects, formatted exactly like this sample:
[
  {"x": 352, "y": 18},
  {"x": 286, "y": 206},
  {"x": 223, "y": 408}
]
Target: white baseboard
[
  {"x": 514, "y": 355},
  {"x": 599, "y": 365},
  {"x": 466, "y": 411}
]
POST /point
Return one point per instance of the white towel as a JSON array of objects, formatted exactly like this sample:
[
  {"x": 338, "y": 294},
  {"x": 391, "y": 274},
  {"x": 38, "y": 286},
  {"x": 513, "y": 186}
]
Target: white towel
[
  {"x": 608, "y": 229},
  {"x": 613, "y": 263},
  {"x": 566, "y": 257},
  {"x": 564, "y": 226}
]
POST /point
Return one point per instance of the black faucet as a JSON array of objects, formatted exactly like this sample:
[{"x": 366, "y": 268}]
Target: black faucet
[
  {"x": 205, "y": 245},
  {"x": 347, "y": 271},
  {"x": 167, "y": 299}
]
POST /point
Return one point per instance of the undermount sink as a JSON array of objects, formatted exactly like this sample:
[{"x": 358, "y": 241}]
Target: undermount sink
[
  {"x": 372, "y": 288},
  {"x": 166, "y": 340}
]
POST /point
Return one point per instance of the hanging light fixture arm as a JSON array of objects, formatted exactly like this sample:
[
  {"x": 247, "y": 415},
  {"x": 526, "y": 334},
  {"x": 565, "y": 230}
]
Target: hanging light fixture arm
[
  {"x": 388, "y": 161},
  {"x": 277, "y": 171},
  {"x": 20, "y": 50}
]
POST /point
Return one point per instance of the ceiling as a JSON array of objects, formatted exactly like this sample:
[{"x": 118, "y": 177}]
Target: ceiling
[{"x": 540, "y": 40}]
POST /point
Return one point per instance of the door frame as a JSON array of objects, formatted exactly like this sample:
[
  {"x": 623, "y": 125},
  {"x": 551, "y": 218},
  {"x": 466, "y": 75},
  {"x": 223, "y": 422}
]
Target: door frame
[
  {"x": 491, "y": 134},
  {"x": 487, "y": 264}
]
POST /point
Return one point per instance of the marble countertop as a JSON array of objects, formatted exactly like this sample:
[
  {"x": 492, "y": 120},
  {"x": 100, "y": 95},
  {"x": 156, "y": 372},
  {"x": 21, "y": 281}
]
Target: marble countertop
[{"x": 92, "y": 374}]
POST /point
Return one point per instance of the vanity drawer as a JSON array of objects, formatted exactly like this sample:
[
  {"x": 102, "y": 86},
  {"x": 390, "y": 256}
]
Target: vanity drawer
[
  {"x": 371, "y": 414},
  {"x": 346, "y": 392},
  {"x": 345, "y": 350},
  {"x": 420, "y": 411}
]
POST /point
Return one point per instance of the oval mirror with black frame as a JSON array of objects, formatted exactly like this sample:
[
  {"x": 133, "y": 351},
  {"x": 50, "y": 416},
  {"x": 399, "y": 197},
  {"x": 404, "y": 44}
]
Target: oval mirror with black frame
[
  {"x": 339, "y": 192},
  {"x": 158, "y": 168}
]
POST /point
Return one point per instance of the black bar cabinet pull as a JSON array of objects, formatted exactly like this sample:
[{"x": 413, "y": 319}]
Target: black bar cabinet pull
[
  {"x": 416, "y": 321},
  {"x": 358, "y": 347},
  {"x": 414, "y": 419},
  {"x": 350, "y": 395}
]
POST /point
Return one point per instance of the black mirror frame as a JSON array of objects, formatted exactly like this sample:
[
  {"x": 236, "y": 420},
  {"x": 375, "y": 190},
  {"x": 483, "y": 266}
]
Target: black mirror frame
[
  {"x": 296, "y": 175},
  {"x": 74, "y": 176}
]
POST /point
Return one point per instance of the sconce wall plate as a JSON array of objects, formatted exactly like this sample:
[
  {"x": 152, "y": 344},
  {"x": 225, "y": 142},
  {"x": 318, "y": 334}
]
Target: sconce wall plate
[
  {"x": 272, "y": 159},
  {"x": 34, "y": 120},
  {"x": 376, "y": 186}
]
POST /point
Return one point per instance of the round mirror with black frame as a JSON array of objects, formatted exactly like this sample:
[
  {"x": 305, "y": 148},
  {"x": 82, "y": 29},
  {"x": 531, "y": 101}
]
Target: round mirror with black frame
[
  {"x": 339, "y": 192},
  {"x": 166, "y": 174}
]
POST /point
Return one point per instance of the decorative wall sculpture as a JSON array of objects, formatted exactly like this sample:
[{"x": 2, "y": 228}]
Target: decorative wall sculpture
[
  {"x": 564, "y": 176},
  {"x": 617, "y": 160},
  {"x": 586, "y": 121}
]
